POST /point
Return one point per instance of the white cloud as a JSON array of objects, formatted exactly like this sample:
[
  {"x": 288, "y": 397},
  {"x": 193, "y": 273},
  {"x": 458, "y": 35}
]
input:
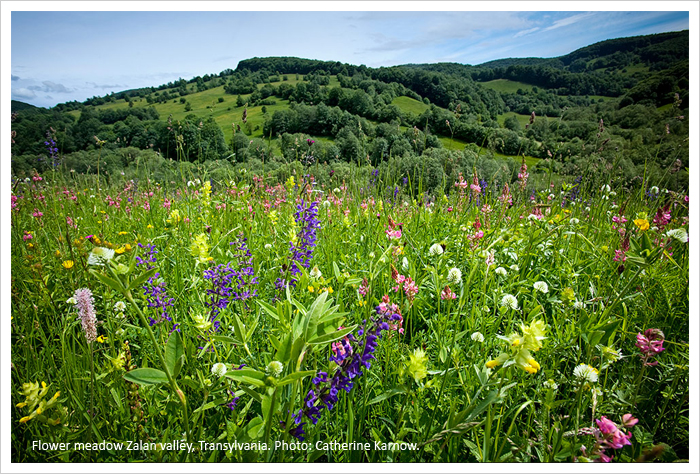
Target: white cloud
[
  {"x": 526, "y": 32},
  {"x": 23, "y": 94},
  {"x": 569, "y": 20}
]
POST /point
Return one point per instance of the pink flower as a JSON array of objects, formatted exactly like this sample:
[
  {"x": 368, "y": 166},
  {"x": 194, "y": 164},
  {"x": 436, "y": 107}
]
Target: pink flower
[
  {"x": 84, "y": 303},
  {"x": 27, "y": 236},
  {"x": 650, "y": 345},
  {"x": 619, "y": 256},
  {"x": 364, "y": 287},
  {"x": 37, "y": 213},
  {"x": 393, "y": 234},
  {"x": 410, "y": 288},
  {"x": 628, "y": 421},
  {"x": 447, "y": 294}
]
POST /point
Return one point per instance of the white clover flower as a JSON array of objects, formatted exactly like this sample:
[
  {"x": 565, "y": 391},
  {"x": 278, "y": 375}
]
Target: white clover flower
[
  {"x": 326, "y": 204},
  {"x": 515, "y": 268},
  {"x": 477, "y": 337},
  {"x": 573, "y": 221},
  {"x": 435, "y": 249},
  {"x": 613, "y": 193},
  {"x": 190, "y": 184},
  {"x": 605, "y": 188},
  {"x": 551, "y": 196},
  {"x": 454, "y": 275},
  {"x": 275, "y": 368},
  {"x": 268, "y": 246},
  {"x": 541, "y": 286},
  {"x": 94, "y": 260},
  {"x": 550, "y": 384},
  {"x": 103, "y": 253},
  {"x": 501, "y": 271},
  {"x": 578, "y": 304},
  {"x": 218, "y": 369},
  {"x": 371, "y": 255},
  {"x": 336, "y": 191},
  {"x": 119, "y": 306},
  {"x": 509, "y": 301},
  {"x": 679, "y": 234},
  {"x": 72, "y": 301},
  {"x": 315, "y": 273},
  {"x": 404, "y": 264},
  {"x": 586, "y": 373},
  {"x": 654, "y": 190}
]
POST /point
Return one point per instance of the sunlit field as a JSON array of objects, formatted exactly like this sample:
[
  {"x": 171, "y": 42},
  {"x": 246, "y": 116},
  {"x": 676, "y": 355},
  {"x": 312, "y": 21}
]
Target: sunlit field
[{"x": 353, "y": 319}]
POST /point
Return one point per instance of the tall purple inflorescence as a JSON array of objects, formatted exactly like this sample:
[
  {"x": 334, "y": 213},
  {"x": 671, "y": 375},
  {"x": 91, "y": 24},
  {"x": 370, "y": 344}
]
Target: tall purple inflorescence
[
  {"x": 224, "y": 277},
  {"x": 154, "y": 290},
  {"x": 351, "y": 354},
  {"x": 302, "y": 251}
]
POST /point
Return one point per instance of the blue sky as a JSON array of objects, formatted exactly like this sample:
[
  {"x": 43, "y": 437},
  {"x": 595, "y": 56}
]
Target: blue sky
[{"x": 62, "y": 56}]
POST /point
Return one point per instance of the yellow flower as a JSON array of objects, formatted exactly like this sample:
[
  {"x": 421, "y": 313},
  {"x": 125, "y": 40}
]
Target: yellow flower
[
  {"x": 120, "y": 250},
  {"x": 123, "y": 233},
  {"x": 127, "y": 247},
  {"x": 502, "y": 357},
  {"x": 96, "y": 240},
  {"x": 200, "y": 248},
  {"x": 329, "y": 289},
  {"x": 149, "y": 226},
  {"x": 604, "y": 248},
  {"x": 68, "y": 264},
  {"x": 643, "y": 224},
  {"x": 101, "y": 339},
  {"x": 58, "y": 253},
  {"x": 311, "y": 289},
  {"x": 30, "y": 246}
]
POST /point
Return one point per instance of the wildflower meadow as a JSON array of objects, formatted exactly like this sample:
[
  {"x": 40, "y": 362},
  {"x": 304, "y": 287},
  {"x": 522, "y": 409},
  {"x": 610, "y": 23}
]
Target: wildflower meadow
[{"x": 353, "y": 318}]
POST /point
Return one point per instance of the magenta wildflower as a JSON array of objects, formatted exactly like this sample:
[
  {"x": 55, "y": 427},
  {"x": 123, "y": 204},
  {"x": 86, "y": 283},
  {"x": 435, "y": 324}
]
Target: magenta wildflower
[
  {"x": 448, "y": 294},
  {"x": 650, "y": 345},
  {"x": 523, "y": 174},
  {"x": 85, "y": 304}
]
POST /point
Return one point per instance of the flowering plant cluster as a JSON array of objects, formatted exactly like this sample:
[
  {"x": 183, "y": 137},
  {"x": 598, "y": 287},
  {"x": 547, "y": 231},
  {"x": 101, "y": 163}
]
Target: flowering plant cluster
[{"x": 351, "y": 355}]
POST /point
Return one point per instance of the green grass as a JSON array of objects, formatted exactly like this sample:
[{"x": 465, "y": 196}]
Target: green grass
[
  {"x": 409, "y": 105},
  {"x": 506, "y": 85},
  {"x": 522, "y": 118}
]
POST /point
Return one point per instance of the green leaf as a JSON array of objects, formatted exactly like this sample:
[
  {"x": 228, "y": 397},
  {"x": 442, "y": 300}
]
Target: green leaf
[
  {"x": 336, "y": 271},
  {"x": 146, "y": 376},
  {"x": 335, "y": 335},
  {"x": 284, "y": 352},
  {"x": 209, "y": 405},
  {"x": 141, "y": 279},
  {"x": 295, "y": 376},
  {"x": 224, "y": 339},
  {"x": 238, "y": 329},
  {"x": 313, "y": 315},
  {"x": 174, "y": 351},
  {"x": 255, "y": 427},
  {"x": 269, "y": 309},
  {"x": 114, "y": 284},
  {"x": 388, "y": 394}
]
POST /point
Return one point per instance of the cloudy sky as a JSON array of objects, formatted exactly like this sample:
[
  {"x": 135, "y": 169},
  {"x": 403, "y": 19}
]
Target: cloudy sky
[{"x": 62, "y": 56}]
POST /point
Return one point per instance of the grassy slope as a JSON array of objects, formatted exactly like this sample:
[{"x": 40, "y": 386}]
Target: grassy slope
[
  {"x": 506, "y": 85},
  {"x": 407, "y": 104},
  {"x": 205, "y": 104}
]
